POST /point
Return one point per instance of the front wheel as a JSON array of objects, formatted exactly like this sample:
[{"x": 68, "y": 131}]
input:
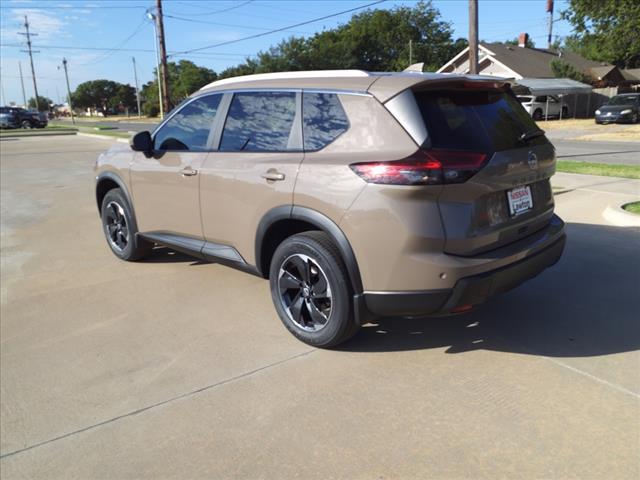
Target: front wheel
[
  {"x": 537, "y": 115},
  {"x": 120, "y": 228},
  {"x": 311, "y": 291},
  {"x": 26, "y": 124}
]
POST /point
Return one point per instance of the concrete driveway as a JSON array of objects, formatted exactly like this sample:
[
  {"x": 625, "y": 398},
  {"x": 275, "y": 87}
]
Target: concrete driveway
[{"x": 172, "y": 368}]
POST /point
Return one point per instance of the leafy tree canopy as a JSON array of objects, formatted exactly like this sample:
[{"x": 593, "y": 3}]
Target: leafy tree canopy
[
  {"x": 376, "y": 40},
  {"x": 605, "y": 30},
  {"x": 104, "y": 95},
  {"x": 44, "y": 103},
  {"x": 563, "y": 69},
  {"x": 185, "y": 77}
]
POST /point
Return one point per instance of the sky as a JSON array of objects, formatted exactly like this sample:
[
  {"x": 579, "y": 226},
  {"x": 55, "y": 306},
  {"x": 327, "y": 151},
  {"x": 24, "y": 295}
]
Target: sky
[{"x": 77, "y": 29}]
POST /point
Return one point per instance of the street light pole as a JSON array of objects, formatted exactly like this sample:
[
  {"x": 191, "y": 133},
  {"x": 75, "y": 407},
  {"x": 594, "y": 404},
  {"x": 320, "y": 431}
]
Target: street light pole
[{"x": 152, "y": 17}]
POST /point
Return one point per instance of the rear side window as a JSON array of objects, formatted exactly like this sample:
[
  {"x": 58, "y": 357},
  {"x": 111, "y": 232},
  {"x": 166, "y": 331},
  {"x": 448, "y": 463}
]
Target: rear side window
[
  {"x": 260, "y": 122},
  {"x": 324, "y": 119},
  {"x": 189, "y": 128},
  {"x": 481, "y": 121}
]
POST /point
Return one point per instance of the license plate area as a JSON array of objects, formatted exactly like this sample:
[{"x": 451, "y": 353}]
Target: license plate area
[{"x": 520, "y": 200}]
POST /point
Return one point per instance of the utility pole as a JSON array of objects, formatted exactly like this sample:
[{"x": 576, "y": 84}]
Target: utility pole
[
  {"x": 135, "y": 76},
  {"x": 163, "y": 58},
  {"x": 66, "y": 75},
  {"x": 550, "y": 11},
  {"x": 152, "y": 17},
  {"x": 24, "y": 96},
  {"x": 33, "y": 71},
  {"x": 473, "y": 37}
]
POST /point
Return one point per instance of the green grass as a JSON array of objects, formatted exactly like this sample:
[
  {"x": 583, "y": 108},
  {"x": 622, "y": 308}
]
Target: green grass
[
  {"x": 605, "y": 169},
  {"x": 633, "y": 207}
]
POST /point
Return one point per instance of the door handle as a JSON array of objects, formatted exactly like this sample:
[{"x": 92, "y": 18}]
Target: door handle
[
  {"x": 273, "y": 175},
  {"x": 188, "y": 172}
]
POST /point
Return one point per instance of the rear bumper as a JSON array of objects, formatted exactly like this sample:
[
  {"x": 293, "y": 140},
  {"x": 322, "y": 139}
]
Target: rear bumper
[
  {"x": 471, "y": 290},
  {"x": 614, "y": 117}
]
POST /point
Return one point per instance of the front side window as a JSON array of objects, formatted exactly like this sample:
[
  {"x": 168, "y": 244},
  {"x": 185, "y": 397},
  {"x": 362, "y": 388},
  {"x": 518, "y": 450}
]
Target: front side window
[
  {"x": 189, "y": 128},
  {"x": 260, "y": 122},
  {"x": 324, "y": 119}
]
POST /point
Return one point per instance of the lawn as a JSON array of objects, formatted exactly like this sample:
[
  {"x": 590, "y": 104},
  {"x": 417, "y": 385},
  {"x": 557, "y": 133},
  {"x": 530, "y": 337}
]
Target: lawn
[
  {"x": 605, "y": 169},
  {"x": 633, "y": 207}
]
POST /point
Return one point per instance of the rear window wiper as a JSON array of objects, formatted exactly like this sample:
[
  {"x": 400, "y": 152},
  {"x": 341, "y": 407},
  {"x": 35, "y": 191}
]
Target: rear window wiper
[{"x": 526, "y": 136}]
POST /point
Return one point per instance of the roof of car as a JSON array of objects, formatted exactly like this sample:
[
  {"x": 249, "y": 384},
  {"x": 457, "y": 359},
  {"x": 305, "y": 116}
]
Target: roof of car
[{"x": 383, "y": 85}]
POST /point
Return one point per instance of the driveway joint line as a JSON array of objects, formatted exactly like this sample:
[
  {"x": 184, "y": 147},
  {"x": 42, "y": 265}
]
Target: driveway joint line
[
  {"x": 157, "y": 404},
  {"x": 615, "y": 386}
]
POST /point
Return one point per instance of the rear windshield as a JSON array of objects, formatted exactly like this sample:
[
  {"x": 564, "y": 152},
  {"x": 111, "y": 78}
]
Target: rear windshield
[{"x": 477, "y": 120}]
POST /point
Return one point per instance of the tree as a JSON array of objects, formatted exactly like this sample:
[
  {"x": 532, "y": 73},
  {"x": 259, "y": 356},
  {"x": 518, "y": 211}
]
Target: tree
[
  {"x": 605, "y": 30},
  {"x": 104, "y": 96},
  {"x": 563, "y": 69},
  {"x": 516, "y": 41},
  {"x": 376, "y": 40},
  {"x": 185, "y": 77},
  {"x": 44, "y": 103}
]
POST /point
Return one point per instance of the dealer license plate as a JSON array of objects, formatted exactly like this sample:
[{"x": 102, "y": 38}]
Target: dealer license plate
[{"x": 520, "y": 200}]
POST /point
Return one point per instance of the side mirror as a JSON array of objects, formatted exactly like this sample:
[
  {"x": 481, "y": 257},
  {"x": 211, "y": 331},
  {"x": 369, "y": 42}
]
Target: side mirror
[{"x": 141, "y": 142}]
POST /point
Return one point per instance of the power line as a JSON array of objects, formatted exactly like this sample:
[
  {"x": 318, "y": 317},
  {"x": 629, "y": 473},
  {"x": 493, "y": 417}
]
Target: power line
[
  {"x": 207, "y": 22},
  {"x": 118, "y": 46},
  {"x": 215, "y": 11},
  {"x": 105, "y": 49},
  {"x": 279, "y": 29}
]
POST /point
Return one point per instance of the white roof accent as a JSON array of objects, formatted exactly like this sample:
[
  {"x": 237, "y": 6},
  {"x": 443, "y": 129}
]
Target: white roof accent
[{"x": 288, "y": 75}]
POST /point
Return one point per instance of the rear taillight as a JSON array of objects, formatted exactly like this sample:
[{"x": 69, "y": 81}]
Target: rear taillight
[{"x": 425, "y": 167}]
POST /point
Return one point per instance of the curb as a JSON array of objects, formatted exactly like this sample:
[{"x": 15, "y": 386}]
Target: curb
[
  {"x": 103, "y": 137},
  {"x": 50, "y": 133},
  {"x": 620, "y": 217}
]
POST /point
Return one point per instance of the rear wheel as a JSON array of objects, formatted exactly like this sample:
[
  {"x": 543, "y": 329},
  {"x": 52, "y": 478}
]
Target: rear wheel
[
  {"x": 311, "y": 291},
  {"x": 120, "y": 228},
  {"x": 634, "y": 118},
  {"x": 26, "y": 124}
]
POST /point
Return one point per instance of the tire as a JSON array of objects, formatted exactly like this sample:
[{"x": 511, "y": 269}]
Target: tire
[
  {"x": 26, "y": 124},
  {"x": 311, "y": 291},
  {"x": 537, "y": 114},
  {"x": 120, "y": 229},
  {"x": 635, "y": 118},
  {"x": 565, "y": 112}
]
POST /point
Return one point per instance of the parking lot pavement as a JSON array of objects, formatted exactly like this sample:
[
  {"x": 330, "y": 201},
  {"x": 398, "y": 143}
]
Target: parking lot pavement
[
  {"x": 172, "y": 368},
  {"x": 597, "y": 151}
]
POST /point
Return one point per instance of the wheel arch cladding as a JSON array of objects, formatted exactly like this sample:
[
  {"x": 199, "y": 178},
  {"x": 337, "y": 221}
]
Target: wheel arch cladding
[
  {"x": 282, "y": 222},
  {"x": 108, "y": 181}
]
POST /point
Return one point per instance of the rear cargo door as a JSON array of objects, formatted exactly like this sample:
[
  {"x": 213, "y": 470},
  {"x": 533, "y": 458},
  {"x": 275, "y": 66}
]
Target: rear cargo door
[{"x": 510, "y": 197}]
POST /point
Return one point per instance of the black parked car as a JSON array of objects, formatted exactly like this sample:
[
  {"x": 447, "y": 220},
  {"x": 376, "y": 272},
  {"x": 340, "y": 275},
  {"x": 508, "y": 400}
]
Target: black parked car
[
  {"x": 621, "y": 108},
  {"x": 25, "y": 118}
]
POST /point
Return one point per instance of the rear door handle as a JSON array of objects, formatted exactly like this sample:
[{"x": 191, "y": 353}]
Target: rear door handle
[
  {"x": 188, "y": 172},
  {"x": 273, "y": 175}
]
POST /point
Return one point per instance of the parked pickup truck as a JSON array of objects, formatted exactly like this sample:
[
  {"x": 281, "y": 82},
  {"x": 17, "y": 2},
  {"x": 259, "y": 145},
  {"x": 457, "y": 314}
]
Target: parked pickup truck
[{"x": 26, "y": 119}]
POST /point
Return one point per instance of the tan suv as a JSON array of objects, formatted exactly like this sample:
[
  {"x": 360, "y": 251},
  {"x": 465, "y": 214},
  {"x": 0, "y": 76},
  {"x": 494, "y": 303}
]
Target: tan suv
[{"x": 358, "y": 195}]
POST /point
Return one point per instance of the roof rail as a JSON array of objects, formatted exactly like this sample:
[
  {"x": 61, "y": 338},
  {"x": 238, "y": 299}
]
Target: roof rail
[{"x": 286, "y": 75}]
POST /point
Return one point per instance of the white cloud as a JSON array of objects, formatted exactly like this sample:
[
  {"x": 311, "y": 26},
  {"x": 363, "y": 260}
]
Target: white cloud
[{"x": 47, "y": 26}]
